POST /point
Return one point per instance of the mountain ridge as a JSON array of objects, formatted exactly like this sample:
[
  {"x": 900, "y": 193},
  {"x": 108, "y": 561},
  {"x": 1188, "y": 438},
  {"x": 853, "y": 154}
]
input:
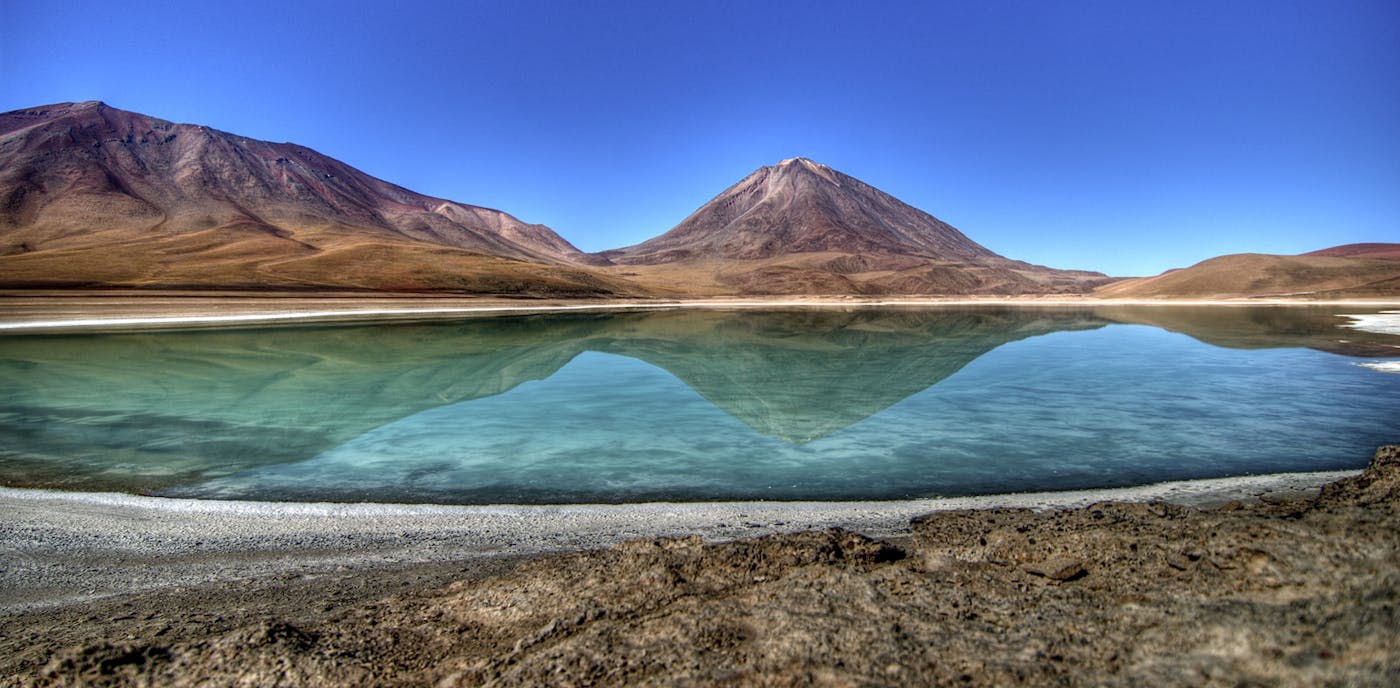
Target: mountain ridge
[{"x": 174, "y": 199}]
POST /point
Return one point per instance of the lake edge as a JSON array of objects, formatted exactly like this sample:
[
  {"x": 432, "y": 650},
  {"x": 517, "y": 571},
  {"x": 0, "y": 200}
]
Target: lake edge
[{"x": 193, "y": 542}]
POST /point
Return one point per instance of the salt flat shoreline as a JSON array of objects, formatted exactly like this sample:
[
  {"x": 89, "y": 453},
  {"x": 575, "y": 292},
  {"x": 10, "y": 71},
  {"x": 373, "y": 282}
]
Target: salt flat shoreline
[
  {"x": 78, "y": 312},
  {"x": 62, "y": 548}
]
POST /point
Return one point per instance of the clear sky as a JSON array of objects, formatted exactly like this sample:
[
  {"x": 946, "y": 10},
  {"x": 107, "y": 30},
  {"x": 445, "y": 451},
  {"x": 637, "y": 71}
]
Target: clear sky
[{"x": 1119, "y": 135}]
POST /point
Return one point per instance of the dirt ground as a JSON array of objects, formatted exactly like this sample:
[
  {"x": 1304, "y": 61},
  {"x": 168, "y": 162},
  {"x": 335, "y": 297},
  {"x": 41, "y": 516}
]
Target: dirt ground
[{"x": 1292, "y": 592}]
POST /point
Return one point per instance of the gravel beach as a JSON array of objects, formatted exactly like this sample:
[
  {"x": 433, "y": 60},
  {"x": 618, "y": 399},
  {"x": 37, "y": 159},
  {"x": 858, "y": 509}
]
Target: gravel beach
[
  {"x": 121, "y": 590},
  {"x": 64, "y": 548}
]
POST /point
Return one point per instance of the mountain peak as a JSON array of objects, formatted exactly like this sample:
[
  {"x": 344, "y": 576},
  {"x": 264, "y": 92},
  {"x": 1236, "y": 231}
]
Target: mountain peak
[
  {"x": 57, "y": 110},
  {"x": 802, "y": 206},
  {"x": 808, "y": 166}
]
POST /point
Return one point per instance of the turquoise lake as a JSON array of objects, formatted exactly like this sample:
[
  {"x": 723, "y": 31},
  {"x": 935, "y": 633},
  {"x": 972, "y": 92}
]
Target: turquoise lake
[{"x": 677, "y": 405}]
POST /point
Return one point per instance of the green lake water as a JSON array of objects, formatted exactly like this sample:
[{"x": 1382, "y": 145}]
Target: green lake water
[{"x": 816, "y": 404}]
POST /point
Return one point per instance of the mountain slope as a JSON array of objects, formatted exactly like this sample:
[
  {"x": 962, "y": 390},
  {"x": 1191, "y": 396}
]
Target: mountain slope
[
  {"x": 93, "y": 195},
  {"x": 1328, "y": 273},
  {"x": 802, "y": 227}
]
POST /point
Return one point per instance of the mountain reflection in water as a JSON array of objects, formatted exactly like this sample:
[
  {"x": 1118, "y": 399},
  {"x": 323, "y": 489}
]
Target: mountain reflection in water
[{"x": 149, "y": 411}]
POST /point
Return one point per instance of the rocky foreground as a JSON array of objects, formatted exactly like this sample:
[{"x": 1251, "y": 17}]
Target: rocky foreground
[{"x": 1302, "y": 592}]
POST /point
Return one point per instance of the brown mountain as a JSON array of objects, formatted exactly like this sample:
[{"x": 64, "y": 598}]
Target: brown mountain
[
  {"x": 802, "y": 227},
  {"x": 1353, "y": 271},
  {"x": 95, "y": 196}
]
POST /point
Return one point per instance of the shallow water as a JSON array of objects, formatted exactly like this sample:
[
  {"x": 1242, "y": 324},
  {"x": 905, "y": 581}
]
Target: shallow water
[{"x": 699, "y": 405}]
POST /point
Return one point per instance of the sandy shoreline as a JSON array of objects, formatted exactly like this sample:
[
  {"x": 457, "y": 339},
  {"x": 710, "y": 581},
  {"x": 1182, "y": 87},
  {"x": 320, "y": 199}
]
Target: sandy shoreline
[{"x": 59, "y": 548}]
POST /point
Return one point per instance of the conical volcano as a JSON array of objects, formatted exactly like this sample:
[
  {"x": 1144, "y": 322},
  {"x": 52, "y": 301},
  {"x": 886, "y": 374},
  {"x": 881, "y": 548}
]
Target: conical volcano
[
  {"x": 802, "y": 227},
  {"x": 800, "y": 206}
]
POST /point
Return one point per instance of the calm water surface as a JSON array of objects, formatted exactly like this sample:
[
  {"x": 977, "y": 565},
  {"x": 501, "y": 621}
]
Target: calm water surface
[{"x": 698, "y": 405}]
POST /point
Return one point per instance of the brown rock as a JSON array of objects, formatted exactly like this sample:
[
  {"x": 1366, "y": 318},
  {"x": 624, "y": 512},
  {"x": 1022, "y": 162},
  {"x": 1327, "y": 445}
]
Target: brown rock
[{"x": 1057, "y": 568}]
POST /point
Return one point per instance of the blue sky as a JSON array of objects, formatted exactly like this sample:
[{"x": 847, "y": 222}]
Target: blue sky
[{"x": 1127, "y": 137}]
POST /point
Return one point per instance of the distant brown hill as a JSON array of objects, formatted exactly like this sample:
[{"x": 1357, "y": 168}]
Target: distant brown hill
[
  {"x": 1377, "y": 251},
  {"x": 1356, "y": 270},
  {"x": 95, "y": 196},
  {"x": 800, "y": 227}
]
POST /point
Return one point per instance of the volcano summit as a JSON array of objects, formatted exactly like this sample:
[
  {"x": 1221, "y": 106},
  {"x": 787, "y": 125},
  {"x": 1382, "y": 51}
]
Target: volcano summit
[{"x": 802, "y": 227}]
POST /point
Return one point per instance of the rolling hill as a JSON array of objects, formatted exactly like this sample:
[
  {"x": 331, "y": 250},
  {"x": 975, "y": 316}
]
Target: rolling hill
[{"x": 1355, "y": 271}]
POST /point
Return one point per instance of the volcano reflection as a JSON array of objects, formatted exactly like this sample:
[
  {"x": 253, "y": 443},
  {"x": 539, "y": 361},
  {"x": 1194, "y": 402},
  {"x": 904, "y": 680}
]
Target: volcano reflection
[{"x": 147, "y": 411}]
